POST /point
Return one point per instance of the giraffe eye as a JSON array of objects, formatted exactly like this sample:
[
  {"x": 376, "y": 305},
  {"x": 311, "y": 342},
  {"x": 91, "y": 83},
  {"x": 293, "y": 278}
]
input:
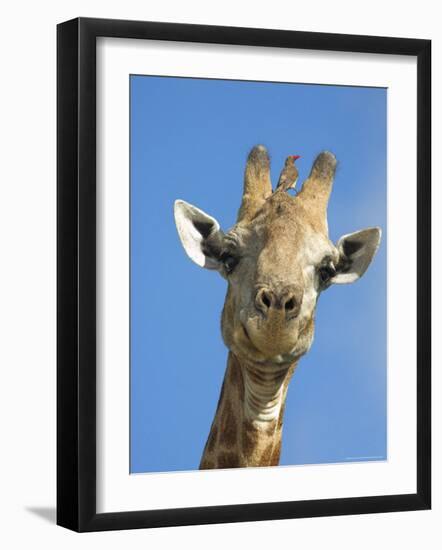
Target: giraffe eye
[
  {"x": 229, "y": 262},
  {"x": 326, "y": 272}
]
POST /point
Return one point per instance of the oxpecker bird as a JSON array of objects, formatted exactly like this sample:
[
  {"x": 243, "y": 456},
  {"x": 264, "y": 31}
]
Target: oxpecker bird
[{"x": 289, "y": 174}]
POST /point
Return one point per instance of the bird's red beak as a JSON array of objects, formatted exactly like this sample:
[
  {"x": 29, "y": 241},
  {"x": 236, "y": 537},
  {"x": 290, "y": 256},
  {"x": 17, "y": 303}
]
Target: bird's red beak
[{"x": 295, "y": 157}]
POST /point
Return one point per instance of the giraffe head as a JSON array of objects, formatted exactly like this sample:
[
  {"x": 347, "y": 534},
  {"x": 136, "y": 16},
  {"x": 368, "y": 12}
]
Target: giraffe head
[{"x": 277, "y": 259}]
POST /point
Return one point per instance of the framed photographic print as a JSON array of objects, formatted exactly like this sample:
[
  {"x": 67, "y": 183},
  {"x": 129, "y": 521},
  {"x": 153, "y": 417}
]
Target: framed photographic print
[{"x": 243, "y": 274}]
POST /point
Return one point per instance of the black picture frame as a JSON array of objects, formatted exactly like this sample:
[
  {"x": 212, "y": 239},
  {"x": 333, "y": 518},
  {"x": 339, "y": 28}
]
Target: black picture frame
[{"x": 76, "y": 273}]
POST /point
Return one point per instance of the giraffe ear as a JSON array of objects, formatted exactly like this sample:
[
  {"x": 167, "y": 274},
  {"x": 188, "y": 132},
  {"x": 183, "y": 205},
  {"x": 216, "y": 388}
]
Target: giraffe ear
[
  {"x": 356, "y": 251},
  {"x": 200, "y": 235}
]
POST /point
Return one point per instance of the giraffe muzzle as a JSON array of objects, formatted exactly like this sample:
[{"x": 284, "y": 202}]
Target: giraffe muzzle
[{"x": 285, "y": 301}]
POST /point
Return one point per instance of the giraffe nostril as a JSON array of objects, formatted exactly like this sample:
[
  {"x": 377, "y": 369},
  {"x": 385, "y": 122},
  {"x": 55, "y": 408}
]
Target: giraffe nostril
[
  {"x": 290, "y": 304},
  {"x": 266, "y": 299},
  {"x": 285, "y": 300}
]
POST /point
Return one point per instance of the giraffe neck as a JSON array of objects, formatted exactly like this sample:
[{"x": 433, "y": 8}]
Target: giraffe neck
[{"x": 247, "y": 427}]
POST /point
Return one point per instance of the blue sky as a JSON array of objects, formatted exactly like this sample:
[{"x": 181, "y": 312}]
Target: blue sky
[{"x": 189, "y": 140}]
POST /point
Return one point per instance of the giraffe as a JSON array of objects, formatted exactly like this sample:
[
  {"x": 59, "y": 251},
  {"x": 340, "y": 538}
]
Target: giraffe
[{"x": 277, "y": 260}]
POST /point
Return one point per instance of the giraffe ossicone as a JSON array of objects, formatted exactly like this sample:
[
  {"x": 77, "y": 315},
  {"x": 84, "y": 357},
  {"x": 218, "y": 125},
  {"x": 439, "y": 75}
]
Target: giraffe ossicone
[{"x": 277, "y": 259}]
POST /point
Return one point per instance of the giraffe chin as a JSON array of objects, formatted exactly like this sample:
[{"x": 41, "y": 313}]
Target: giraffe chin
[{"x": 263, "y": 346}]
